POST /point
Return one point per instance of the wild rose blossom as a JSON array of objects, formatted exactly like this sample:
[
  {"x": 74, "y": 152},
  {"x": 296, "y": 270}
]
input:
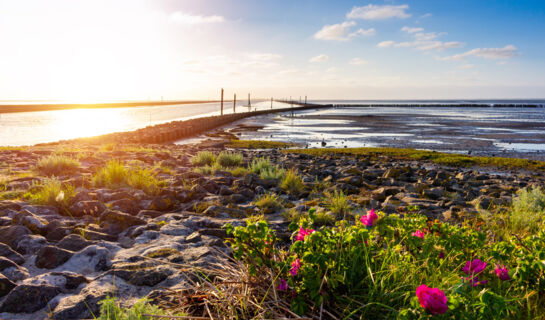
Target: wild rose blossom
[
  {"x": 303, "y": 233},
  {"x": 432, "y": 300},
  {"x": 295, "y": 266},
  {"x": 502, "y": 272},
  {"x": 369, "y": 219},
  {"x": 418, "y": 234},
  {"x": 474, "y": 267},
  {"x": 283, "y": 285}
]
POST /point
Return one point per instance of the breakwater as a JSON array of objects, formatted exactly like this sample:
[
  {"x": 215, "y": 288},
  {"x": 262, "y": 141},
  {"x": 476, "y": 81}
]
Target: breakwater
[
  {"x": 445, "y": 105},
  {"x": 176, "y": 130}
]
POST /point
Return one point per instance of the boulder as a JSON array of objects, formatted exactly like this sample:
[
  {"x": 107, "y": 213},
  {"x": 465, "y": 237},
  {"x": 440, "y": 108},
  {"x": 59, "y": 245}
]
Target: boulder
[
  {"x": 149, "y": 213},
  {"x": 162, "y": 203},
  {"x": 89, "y": 260},
  {"x": 74, "y": 242},
  {"x": 30, "y": 244},
  {"x": 50, "y": 257},
  {"x": 115, "y": 222},
  {"x": 5, "y": 285},
  {"x": 27, "y": 298},
  {"x": 66, "y": 281},
  {"x": 87, "y": 207},
  {"x": 11, "y": 235},
  {"x": 126, "y": 205},
  {"x": 6, "y": 251}
]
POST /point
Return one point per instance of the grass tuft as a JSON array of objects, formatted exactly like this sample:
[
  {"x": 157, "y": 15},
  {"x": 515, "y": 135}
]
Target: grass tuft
[
  {"x": 116, "y": 175},
  {"x": 51, "y": 192},
  {"x": 56, "y": 165},
  {"x": 203, "y": 158},
  {"x": 337, "y": 203},
  {"x": 229, "y": 159},
  {"x": 292, "y": 183},
  {"x": 269, "y": 203}
]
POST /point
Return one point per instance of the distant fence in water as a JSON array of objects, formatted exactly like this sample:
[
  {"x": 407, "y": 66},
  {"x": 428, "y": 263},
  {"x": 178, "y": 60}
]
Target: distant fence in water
[{"x": 442, "y": 105}]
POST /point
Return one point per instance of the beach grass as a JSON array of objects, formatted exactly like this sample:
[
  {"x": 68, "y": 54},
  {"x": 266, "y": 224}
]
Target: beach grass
[
  {"x": 204, "y": 158},
  {"x": 449, "y": 159},
  {"x": 116, "y": 175},
  {"x": 229, "y": 159},
  {"x": 56, "y": 165}
]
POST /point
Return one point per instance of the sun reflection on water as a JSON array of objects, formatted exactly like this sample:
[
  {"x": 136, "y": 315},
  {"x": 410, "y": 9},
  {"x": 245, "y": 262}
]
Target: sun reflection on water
[{"x": 88, "y": 122}]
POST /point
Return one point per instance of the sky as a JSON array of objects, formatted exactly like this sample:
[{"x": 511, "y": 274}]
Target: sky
[{"x": 97, "y": 50}]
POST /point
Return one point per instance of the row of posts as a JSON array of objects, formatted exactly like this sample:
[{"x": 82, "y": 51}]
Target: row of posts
[{"x": 250, "y": 102}]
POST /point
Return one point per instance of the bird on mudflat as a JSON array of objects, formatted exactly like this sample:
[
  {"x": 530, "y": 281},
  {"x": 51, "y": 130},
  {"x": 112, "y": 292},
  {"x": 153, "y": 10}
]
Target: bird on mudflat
[{"x": 323, "y": 143}]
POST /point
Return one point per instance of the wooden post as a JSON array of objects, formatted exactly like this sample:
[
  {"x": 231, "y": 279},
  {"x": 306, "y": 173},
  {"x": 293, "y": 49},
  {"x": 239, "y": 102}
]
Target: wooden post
[
  {"x": 271, "y": 102},
  {"x": 235, "y": 104},
  {"x": 305, "y": 99},
  {"x": 221, "y": 101},
  {"x": 249, "y": 102}
]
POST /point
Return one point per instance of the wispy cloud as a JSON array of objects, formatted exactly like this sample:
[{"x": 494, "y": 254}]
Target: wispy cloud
[
  {"x": 412, "y": 30},
  {"x": 342, "y": 32},
  {"x": 358, "y": 62},
  {"x": 506, "y": 52},
  {"x": 385, "y": 44},
  {"x": 379, "y": 12},
  {"x": 187, "y": 18},
  {"x": 319, "y": 58}
]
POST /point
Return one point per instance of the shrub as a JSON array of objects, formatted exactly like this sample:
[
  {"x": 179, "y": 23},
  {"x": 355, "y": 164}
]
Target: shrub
[
  {"x": 269, "y": 203},
  {"x": 229, "y": 159},
  {"x": 292, "y": 183},
  {"x": 363, "y": 272},
  {"x": 239, "y": 171},
  {"x": 56, "y": 165},
  {"x": 527, "y": 210},
  {"x": 259, "y": 165},
  {"x": 274, "y": 173},
  {"x": 203, "y": 158},
  {"x": 116, "y": 175},
  {"x": 51, "y": 192}
]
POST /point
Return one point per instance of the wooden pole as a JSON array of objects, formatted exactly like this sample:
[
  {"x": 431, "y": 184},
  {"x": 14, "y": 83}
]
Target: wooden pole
[
  {"x": 271, "y": 102},
  {"x": 222, "y": 101},
  {"x": 305, "y": 99},
  {"x": 249, "y": 102},
  {"x": 235, "y": 104}
]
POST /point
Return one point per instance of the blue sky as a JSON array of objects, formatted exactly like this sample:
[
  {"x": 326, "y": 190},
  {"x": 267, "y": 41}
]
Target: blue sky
[{"x": 184, "y": 49}]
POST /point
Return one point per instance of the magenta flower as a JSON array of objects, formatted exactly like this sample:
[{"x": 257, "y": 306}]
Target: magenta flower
[
  {"x": 283, "y": 285},
  {"x": 418, "y": 234},
  {"x": 441, "y": 255},
  {"x": 432, "y": 300},
  {"x": 474, "y": 281},
  {"x": 473, "y": 267},
  {"x": 369, "y": 219},
  {"x": 303, "y": 233},
  {"x": 295, "y": 266},
  {"x": 502, "y": 272}
]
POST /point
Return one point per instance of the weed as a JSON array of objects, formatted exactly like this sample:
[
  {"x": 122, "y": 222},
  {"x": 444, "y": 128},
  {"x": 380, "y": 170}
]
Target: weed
[
  {"x": 292, "y": 183},
  {"x": 229, "y": 159},
  {"x": 116, "y": 175},
  {"x": 56, "y": 165},
  {"x": 337, "y": 203},
  {"x": 203, "y": 158},
  {"x": 269, "y": 203}
]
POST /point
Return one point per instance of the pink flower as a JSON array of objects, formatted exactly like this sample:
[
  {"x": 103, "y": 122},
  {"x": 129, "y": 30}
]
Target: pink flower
[
  {"x": 418, "y": 234},
  {"x": 432, "y": 299},
  {"x": 475, "y": 281},
  {"x": 295, "y": 266},
  {"x": 303, "y": 233},
  {"x": 369, "y": 219},
  {"x": 441, "y": 255},
  {"x": 283, "y": 285},
  {"x": 474, "y": 267},
  {"x": 502, "y": 272}
]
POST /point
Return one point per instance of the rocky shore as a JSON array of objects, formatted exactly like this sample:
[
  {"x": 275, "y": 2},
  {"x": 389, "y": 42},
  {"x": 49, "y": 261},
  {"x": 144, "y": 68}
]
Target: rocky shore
[{"x": 60, "y": 261}]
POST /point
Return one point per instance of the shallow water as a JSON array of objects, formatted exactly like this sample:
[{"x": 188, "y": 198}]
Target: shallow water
[{"x": 28, "y": 128}]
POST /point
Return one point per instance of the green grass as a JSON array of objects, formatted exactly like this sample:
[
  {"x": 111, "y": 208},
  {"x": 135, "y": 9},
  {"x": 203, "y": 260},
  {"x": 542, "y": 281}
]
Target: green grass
[
  {"x": 261, "y": 164},
  {"x": 229, "y": 159},
  {"x": 337, "y": 203},
  {"x": 204, "y": 158},
  {"x": 292, "y": 183},
  {"x": 141, "y": 310},
  {"x": 269, "y": 203},
  {"x": 56, "y": 165},
  {"x": 260, "y": 144},
  {"x": 450, "y": 159},
  {"x": 116, "y": 175},
  {"x": 239, "y": 171},
  {"x": 275, "y": 173},
  {"x": 51, "y": 192}
]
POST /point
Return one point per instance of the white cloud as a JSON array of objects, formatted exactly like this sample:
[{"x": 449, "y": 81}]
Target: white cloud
[
  {"x": 186, "y": 18},
  {"x": 264, "y": 56},
  {"x": 378, "y": 12},
  {"x": 412, "y": 30},
  {"x": 319, "y": 58},
  {"x": 358, "y": 62},
  {"x": 385, "y": 44},
  {"x": 466, "y": 66},
  {"x": 341, "y": 32},
  {"x": 428, "y": 36},
  {"x": 506, "y": 52},
  {"x": 427, "y": 15}
]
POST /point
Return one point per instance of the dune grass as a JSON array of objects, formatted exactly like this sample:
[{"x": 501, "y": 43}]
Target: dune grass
[
  {"x": 116, "y": 175},
  {"x": 338, "y": 203},
  {"x": 261, "y": 144},
  {"x": 51, "y": 192},
  {"x": 110, "y": 309},
  {"x": 292, "y": 183},
  {"x": 269, "y": 203},
  {"x": 229, "y": 159},
  {"x": 450, "y": 159},
  {"x": 56, "y": 165},
  {"x": 204, "y": 158}
]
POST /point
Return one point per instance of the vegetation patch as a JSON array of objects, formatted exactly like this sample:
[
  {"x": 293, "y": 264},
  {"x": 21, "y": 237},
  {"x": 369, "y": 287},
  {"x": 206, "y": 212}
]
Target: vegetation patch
[
  {"x": 203, "y": 158},
  {"x": 269, "y": 203},
  {"x": 116, "y": 175},
  {"x": 57, "y": 165},
  {"x": 51, "y": 192},
  {"x": 229, "y": 159},
  {"x": 292, "y": 183},
  {"x": 110, "y": 309},
  {"x": 450, "y": 159},
  {"x": 261, "y": 144}
]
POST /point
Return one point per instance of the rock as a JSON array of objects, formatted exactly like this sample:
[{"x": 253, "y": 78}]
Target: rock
[
  {"x": 6, "y": 251},
  {"x": 33, "y": 222},
  {"x": 115, "y": 222},
  {"x": 380, "y": 194},
  {"x": 149, "y": 213},
  {"x": 139, "y": 275},
  {"x": 162, "y": 203},
  {"x": 433, "y": 193},
  {"x": 194, "y": 237},
  {"x": 5, "y": 285},
  {"x": 95, "y": 235},
  {"x": 225, "y": 191},
  {"x": 11, "y": 235},
  {"x": 41, "y": 210},
  {"x": 28, "y": 298},
  {"x": 83, "y": 195},
  {"x": 74, "y": 242},
  {"x": 89, "y": 260},
  {"x": 50, "y": 257},
  {"x": 87, "y": 207},
  {"x": 6, "y": 263},
  {"x": 30, "y": 244},
  {"x": 126, "y": 205},
  {"x": 66, "y": 281}
]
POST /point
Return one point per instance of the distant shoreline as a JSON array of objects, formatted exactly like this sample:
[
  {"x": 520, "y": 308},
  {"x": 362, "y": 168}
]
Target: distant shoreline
[{"x": 13, "y": 108}]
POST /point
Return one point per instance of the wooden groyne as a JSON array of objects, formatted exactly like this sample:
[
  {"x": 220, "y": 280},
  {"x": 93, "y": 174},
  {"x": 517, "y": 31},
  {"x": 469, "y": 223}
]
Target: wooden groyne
[
  {"x": 440, "y": 105},
  {"x": 177, "y": 130}
]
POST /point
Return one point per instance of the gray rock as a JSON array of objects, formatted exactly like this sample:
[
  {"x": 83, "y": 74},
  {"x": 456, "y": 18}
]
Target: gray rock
[
  {"x": 6, "y": 251},
  {"x": 115, "y": 222},
  {"x": 126, "y": 205},
  {"x": 87, "y": 208},
  {"x": 30, "y": 244},
  {"x": 11, "y": 235},
  {"x": 50, "y": 257},
  {"x": 5, "y": 285},
  {"x": 28, "y": 298},
  {"x": 89, "y": 260},
  {"x": 74, "y": 242}
]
